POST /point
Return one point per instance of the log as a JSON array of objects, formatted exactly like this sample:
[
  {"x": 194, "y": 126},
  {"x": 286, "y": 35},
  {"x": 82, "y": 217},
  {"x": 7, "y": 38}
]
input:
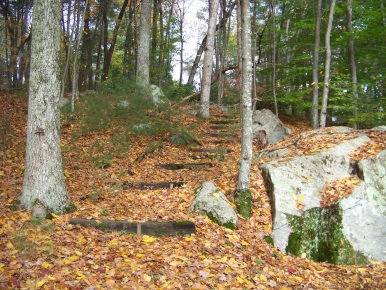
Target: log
[
  {"x": 224, "y": 122},
  {"x": 175, "y": 166},
  {"x": 152, "y": 185},
  {"x": 178, "y": 228},
  {"x": 211, "y": 150}
]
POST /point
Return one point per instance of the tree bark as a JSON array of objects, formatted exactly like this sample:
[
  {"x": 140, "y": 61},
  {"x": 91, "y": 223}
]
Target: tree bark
[
  {"x": 353, "y": 69},
  {"x": 326, "y": 83},
  {"x": 223, "y": 36},
  {"x": 274, "y": 58},
  {"x": 109, "y": 54},
  {"x": 44, "y": 188},
  {"x": 208, "y": 61},
  {"x": 243, "y": 196},
  {"x": 203, "y": 45},
  {"x": 75, "y": 66},
  {"x": 315, "y": 78},
  {"x": 143, "y": 55}
]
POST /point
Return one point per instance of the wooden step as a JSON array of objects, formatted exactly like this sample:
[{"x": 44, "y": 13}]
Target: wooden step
[
  {"x": 178, "y": 228},
  {"x": 151, "y": 185},
  {"x": 176, "y": 166}
]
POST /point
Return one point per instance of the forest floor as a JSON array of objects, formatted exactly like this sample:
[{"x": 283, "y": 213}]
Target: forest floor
[{"x": 53, "y": 254}]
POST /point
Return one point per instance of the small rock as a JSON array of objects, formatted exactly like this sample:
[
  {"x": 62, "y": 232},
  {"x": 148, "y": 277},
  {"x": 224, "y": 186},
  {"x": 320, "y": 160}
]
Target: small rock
[{"x": 212, "y": 202}]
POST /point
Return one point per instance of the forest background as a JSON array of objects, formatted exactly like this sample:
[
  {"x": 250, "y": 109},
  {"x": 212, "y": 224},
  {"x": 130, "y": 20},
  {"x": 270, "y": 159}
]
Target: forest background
[
  {"x": 284, "y": 42},
  {"x": 99, "y": 63}
]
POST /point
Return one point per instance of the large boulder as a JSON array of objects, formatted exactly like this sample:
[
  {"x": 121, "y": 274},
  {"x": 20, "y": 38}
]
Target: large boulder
[
  {"x": 364, "y": 211},
  {"x": 352, "y": 230},
  {"x": 267, "y": 121},
  {"x": 213, "y": 203}
]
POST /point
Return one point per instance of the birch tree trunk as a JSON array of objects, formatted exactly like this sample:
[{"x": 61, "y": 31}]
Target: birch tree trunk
[
  {"x": 200, "y": 51},
  {"x": 243, "y": 197},
  {"x": 353, "y": 69},
  {"x": 223, "y": 37},
  {"x": 326, "y": 83},
  {"x": 208, "y": 61},
  {"x": 75, "y": 66},
  {"x": 315, "y": 78},
  {"x": 274, "y": 58},
  {"x": 44, "y": 189},
  {"x": 143, "y": 56}
]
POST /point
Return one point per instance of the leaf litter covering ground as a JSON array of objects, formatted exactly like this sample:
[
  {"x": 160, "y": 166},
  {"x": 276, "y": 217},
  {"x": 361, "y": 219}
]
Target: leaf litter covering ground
[{"x": 57, "y": 255}]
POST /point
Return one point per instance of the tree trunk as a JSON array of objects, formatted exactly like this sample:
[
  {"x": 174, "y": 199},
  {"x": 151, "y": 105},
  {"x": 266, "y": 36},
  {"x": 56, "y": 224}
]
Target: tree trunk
[
  {"x": 203, "y": 45},
  {"x": 208, "y": 61},
  {"x": 167, "y": 59},
  {"x": 323, "y": 113},
  {"x": 180, "y": 21},
  {"x": 274, "y": 58},
  {"x": 223, "y": 36},
  {"x": 161, "y": 52},
  {"x": 68, "y": 46},
  {"x": 315, "y": 78},
  {"x": 243, "y": 197},
  {"x": 353, "y": 69},
  {"x": 44, "y": 189},
  {"x": 109, "y": 54},
  {"x": 239, "y": 68},
  {"x": 143, "y": 55}
]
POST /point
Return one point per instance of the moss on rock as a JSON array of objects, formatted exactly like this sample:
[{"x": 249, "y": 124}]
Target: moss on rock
[
  {"x": 318, "y": 233},
  {"x": 228, "y": 225},
  {"x": 243, "y": 201}
]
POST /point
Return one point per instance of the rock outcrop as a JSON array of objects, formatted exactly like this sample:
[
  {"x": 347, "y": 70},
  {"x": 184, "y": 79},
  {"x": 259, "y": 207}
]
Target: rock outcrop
[{"x": 352, "y": 230}]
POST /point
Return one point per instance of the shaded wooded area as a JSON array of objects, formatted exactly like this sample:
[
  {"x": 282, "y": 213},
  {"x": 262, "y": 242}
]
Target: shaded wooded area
[{"x": 284, "y": 40}]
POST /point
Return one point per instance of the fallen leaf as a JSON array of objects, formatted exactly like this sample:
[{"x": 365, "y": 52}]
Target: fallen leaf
[
  {"x": 47, "y": 265},
  {"x": 146, "y": 278},
  {"x": 110, "y": 283},
  {"x": 147, "y": 239}
]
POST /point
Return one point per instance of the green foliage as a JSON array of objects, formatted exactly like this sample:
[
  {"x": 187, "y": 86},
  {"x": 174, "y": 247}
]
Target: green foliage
[
  {"x": 95, "y": 194},
  {"x": 21, "y": 242},
  {"x": 105, "y": 211},
  {"x": 269, "y": 240},
  {"x": 120, "y": 141},
  {"x": 122, "y": 105},
  {"x": 28, "y": 242},
  {"x": 102, "y": 161},
  {"x": 119, "y": 103},
  {"x": 70, "y": 208},
  {"x": 154, "y": 146},
  {"x": 176, "y": 92},
  {"x": 183, "y": 138}
]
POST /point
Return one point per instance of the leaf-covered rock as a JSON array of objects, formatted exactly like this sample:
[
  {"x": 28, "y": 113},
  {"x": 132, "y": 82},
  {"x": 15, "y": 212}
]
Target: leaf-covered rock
[
  {"x": 212, "y": 202},
  {"x": 300, "y": 222}
]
